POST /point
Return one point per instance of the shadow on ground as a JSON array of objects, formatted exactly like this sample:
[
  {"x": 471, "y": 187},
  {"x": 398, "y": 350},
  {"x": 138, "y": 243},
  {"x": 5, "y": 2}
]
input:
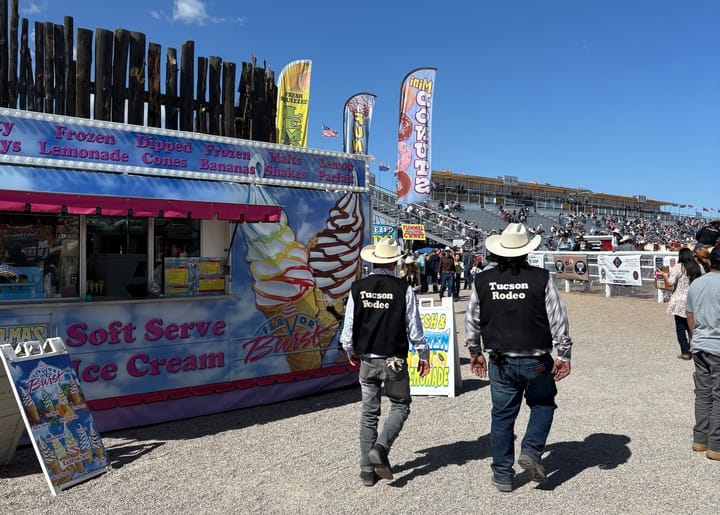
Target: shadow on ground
[
  {"x": 435, "y": 458},
  {"x": 140, "y": 441},
  {"x": 562, "y": 460}
]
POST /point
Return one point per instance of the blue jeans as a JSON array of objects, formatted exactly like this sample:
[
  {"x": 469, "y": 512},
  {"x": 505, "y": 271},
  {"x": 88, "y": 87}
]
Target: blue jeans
[
  {"x": 682, "y": 330},
  {"x": 447, "y": 279},
  {"x": 508, "y": 382},
  {"x": 468, "y": 278},
  {"x": 707, "y": 400},
  {"x": 374, "y": 373}
]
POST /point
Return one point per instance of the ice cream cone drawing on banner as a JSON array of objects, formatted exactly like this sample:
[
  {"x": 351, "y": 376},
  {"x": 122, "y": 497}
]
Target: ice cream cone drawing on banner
[
  {"x": 63, "y": 406},
  {"x": 75, "y": 395},
  {"x": 291, "y": 279},
  {"x": 283, "y": 282},
  {"x": 49, "y": 458},
  {"x": 96, "y": 443},
  {"x": 335, "y": 259},
  {"x": 86, "y": 451},
  {"x": 60, "y": 452},
  {"x": 73, "y": 450},
  {"x": 29, "y": 406},
  {"x": 47, "y": 405}
]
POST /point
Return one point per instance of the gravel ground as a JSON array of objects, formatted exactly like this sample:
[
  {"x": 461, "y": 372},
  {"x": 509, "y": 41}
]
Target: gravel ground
[{"x": 620, "y": 444}]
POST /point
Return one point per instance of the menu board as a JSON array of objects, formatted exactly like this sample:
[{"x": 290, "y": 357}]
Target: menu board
[
  {"x": 57, "y": 418},
  {"x": 194, "y": 276}
]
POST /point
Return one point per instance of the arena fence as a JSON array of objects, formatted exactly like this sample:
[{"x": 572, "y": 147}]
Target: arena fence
[{"x": 646, "y": 291}]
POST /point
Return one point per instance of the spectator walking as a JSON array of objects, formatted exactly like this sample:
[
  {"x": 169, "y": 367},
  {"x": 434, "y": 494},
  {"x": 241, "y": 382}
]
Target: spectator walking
[
  {"x": 467, "y": 260},
  {"x": 457, "y": 278},
  {"x": 423, "y": 276},
  {"x": 515, "y": 313},
  {"x": 703, "y": 313},
  {"x": 432, "y": 269},
  {"x": 684, "y": 272},
  {"x": 446, "y": 273},
  {"x": 411, "y": 274},
  {"x": 381, "y": 317}
]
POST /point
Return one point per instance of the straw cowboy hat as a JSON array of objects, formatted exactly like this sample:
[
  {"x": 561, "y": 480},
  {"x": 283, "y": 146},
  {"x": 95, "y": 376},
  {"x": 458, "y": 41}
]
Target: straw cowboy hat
[
  {"x": 386, "y": 250},
  {"x": 512, "y": 242},
  {"x": 410, "y": 260},
  {"x": 625, "y": 238}
]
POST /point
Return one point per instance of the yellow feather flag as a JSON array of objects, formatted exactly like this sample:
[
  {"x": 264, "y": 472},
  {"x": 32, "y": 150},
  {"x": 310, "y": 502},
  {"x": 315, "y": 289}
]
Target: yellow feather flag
[{"x": 292, "y": 105}]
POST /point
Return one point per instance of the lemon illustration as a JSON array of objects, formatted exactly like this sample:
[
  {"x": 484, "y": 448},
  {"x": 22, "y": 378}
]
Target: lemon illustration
[
  {"x": 414, "y": 359},
  {"x": 437, "y": 359}
]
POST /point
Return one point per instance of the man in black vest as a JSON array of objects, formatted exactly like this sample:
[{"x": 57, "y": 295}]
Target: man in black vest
[
  {"x": 381, "y": 317},
  {"x": 516, "y": 314}
]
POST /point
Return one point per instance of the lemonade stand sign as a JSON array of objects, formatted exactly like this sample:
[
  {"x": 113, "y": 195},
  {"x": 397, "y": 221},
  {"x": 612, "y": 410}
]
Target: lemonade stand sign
[{"x": 439, "y": 325}]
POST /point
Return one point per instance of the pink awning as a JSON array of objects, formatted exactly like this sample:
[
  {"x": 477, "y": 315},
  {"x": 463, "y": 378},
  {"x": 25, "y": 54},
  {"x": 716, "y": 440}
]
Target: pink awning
[
  {"x": 34, "y": 202},
  {"x": 42, "y": 190}
]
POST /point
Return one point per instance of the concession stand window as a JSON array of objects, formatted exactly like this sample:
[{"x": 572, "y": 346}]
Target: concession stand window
[{"x": 126, "y": 226}]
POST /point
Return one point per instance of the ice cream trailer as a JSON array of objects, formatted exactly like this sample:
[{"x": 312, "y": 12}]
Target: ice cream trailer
[{"x": 187, "y": 274}]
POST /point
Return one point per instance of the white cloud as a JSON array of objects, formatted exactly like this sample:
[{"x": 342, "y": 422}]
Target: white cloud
[
  {"x": 189, "y": 11},
  {"x": 32, "y": 8},
  {"x": 194, "y": 12}
]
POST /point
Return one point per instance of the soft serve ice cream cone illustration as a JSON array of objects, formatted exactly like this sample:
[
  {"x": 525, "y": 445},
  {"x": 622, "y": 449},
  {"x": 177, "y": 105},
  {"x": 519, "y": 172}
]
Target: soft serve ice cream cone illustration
[
  {"x": 31, "y": 410},
  {"x": 314, "y": 280},
  {"x": 282, "y": 279},
  {"x": 335, "y": 258},
  {"x": 96, "y": 443},
  {"x": 49, "y": 458},
  {"x": 73, "y": 450}
]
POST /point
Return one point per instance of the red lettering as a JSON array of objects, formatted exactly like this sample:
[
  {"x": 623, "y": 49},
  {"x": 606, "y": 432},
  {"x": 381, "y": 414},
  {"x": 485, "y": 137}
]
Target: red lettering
[
  {"x": 153, "y": 330},
  {"x": 171, "y": 331},
  {"x": 92, "y": 372},
  {"x": 258, "y": 348},
  {"x": 97, "y": 336},
  {"x": 76, "y": 335},
  {"x": 202, "y": 327},
  {"x": 185, "y": 329},
  {"x": 173, "y": 364},
  {"x": 132, "y": 366},
  {"x": 218, "y": 327}
]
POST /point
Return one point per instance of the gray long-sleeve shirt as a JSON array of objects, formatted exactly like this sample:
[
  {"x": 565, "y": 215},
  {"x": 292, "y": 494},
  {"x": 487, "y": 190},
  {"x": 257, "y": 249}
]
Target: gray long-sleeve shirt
[
  {"x": 557, "y": 316},
  {"x": 415, "y": 331}
]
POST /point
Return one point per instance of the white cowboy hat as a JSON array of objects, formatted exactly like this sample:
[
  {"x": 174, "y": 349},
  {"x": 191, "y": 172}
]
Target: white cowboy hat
[
  {"x": 386, "y": 250},
  {"x": 625, "y": 238},
  {"x": 410, "y": 260},
  {"x": 512, "y": 242}
]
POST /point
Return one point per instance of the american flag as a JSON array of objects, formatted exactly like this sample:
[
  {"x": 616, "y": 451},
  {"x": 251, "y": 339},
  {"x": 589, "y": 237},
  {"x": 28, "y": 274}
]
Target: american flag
[
  {"x": 327, "y": 132},
  {"x": 383, "y": 167}
]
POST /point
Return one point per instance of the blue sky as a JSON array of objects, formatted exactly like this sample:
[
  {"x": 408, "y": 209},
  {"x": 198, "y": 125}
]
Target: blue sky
[{"x": 616, "y": 96}]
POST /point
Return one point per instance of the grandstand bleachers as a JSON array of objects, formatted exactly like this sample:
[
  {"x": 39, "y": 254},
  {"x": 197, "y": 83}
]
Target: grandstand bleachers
[{"x": 443, "y": 228}]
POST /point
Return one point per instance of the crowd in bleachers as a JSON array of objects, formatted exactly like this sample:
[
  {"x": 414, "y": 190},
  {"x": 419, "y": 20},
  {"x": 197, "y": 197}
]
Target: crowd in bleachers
[
  {"x": 515, "y": 216},
  {"x": 645, "y": 233},
  {"x": 648, "y": 233}
]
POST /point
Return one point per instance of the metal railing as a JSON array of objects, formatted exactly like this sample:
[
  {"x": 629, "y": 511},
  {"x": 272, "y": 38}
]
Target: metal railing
[{"x": 646, "y": 290}]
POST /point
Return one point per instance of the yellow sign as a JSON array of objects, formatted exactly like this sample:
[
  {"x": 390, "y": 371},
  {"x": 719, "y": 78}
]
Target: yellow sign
[
  {"x": 439, "y": 328},
  {"x": 413, "y": 231},
  {"x": 292, "y": 104}
]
